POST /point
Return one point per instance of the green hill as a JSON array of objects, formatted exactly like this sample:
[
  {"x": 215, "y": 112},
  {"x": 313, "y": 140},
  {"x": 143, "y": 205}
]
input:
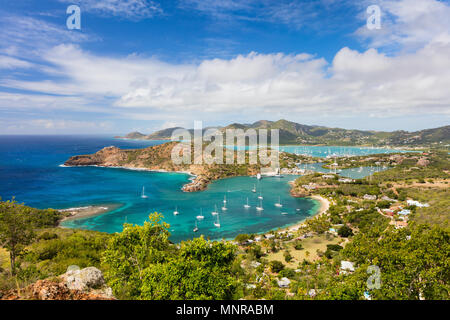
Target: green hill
[{"x": 295, "y": 133}]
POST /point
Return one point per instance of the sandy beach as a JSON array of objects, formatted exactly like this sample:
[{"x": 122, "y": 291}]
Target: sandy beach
[
  {"x": 324, "y": 205},
  {"x": 84, "y": 212}
]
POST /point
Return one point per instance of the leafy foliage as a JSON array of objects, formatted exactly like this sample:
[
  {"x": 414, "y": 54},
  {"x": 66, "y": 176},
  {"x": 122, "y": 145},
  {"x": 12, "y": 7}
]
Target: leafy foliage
[
  {"x": 16, "y": 230},
  {"x": 141, "y": 263}
]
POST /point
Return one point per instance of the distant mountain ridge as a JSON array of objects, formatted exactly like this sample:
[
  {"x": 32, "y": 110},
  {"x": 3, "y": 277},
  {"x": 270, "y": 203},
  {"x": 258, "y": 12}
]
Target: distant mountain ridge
[{"x": 295, "y": 133}]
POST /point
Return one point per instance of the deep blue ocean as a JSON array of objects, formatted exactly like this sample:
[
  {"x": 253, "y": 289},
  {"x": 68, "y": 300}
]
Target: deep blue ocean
[{"x": 30, "y": 171}]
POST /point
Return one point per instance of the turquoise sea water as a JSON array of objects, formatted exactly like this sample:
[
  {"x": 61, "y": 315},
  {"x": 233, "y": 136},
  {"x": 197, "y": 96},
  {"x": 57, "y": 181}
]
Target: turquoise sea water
[
  {"x": 353, "y": 173},
  {"x": 30, "y": 171},
  {"x": 165, "y": 195},
  {"x": 324, "y": 151}
]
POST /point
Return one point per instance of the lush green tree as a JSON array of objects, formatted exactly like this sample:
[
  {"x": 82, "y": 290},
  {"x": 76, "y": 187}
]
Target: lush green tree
[
  {"x": 413, "y": 263},
  {"x": 255, "y": 251},
  {"x": 200, "y": 270},
  {"x": 16, "y": 230},
  {"x": 345, "y": 231},
  {"x": 298, "y": 245},
  {"x": 287, "y": 256},
  {"x": 276, "y": 266},
  {"x": 319, "y": 224},
  {"x": 141, "y": 263},
  {"x": 241, "y": 238},
  {"x": 131, "y": 251}
]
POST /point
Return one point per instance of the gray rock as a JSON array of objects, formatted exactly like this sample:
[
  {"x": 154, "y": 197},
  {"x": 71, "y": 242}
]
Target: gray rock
[{"x": 84, "y": 280}]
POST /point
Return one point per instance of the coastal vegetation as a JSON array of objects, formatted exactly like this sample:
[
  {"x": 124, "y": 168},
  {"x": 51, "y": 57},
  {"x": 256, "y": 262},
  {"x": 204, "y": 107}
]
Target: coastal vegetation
[{"x": 385, "y": 236}]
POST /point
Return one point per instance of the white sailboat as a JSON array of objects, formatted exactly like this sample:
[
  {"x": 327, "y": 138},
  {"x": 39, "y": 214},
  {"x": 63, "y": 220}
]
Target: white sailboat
[
  {"x": 246, "y": 206},
  {"x": 201, "y": 216},
  {"x": 215, "y": 212},
  {"x": 176, "y": 211},
  {"x": 260, "y": 208},
  {"x": 224, "y": 208},
  {"x": 217, "y": 223},
  {"x": 260, "y": 197},
  {"x": 278, "y": 204},
  {"x": 196, "y": 228},
  {"x": 225, "y": 199},
  {"x": 254, "y": 188},
  {"x": 258, "y": 176},
  {"x": 143, "y": 196}
]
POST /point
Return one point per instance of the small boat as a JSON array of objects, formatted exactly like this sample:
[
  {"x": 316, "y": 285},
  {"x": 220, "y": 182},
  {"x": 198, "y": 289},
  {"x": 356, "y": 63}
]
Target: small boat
[
  {"x": 225, "y": 199},
  {"x": 176, "y": 211},
  {"x": 260, "y": 208},
  {"x": 284, "y": 213},
  {"x": 254, "y": 189},
  {"x": 143, "y": 196},
  {"x": 260, "y": 197},
  {"x": 215, "y": 212},
  {"x": 247, "y": 205},
  {"x": 196, "y": 228},
  {"x": 201, "y": 216},
  {"x": 217, "y": 223},
  {"x": 258, "y": 176},
  {"x": 224, "y": 208},
  {"x": 278, "y": 204}
]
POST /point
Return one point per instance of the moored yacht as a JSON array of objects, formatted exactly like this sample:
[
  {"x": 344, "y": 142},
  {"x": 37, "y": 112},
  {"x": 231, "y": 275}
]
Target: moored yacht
[
  {"x": 215, "y": 212},
  {"x": 143, "y": 196},
  {"x": 260, "y": 207},
  {"x": 246, "y": 205},
  {"x": 278, "y": 204},
  {"x": 217, "y": 223},
  {"x": 201, "y": 216}
]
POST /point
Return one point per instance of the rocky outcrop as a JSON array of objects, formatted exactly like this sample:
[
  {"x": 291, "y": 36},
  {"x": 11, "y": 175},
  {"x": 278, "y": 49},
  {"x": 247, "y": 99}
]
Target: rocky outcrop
[
  {"x": 85, "y": 284},
  {"x": 159, "y": 158},
  {"x": 297, "y": 192},
  {"x": 423, "y": 162},
  {"x": 85, "y": 280},
  {"x": 198, "y": 184},
  {"x": 397, "y": 159},
  {"x": 108, "y": 157}
]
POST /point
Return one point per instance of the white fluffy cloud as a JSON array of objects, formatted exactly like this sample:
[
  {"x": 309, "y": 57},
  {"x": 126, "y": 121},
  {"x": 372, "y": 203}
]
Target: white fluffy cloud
[
  {"x": 359, "y": 82},
  {"x": 409, "y": 24},
  {"x": 256, "y": 85}
]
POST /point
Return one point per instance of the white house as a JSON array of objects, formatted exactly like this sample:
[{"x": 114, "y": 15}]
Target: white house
[
  {"x": 404, "y": 212},
  {"x": 416, "y": 203},
  {"x": 347, "y": 266},
  {"x": 346, "y": 180},
  {"x": 369, "y": 197}
]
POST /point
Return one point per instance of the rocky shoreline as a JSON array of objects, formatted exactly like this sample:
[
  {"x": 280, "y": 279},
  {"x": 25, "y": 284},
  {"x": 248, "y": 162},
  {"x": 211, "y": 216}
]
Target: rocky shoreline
[{"x": 158, "y": 158}]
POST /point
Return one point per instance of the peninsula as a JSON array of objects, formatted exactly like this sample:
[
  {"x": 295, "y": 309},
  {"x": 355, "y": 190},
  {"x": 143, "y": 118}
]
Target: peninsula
[{"x": 158, "y": 158}]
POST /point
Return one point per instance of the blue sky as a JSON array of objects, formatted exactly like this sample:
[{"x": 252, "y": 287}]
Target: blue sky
[{"x": 146, "y": 65}]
